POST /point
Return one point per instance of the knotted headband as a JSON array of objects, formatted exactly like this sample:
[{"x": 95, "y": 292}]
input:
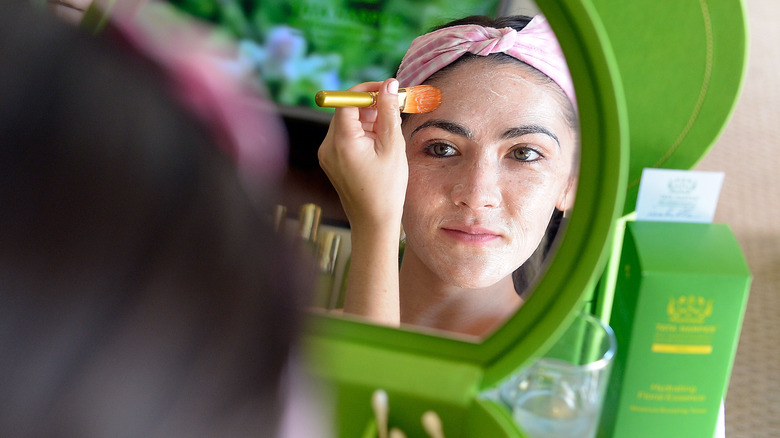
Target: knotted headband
[{"x": 535, "y": 45}]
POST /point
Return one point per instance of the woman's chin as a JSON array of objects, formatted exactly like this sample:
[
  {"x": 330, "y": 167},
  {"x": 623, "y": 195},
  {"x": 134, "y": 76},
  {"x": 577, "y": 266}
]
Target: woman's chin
[{"x": 474, "y": 280}]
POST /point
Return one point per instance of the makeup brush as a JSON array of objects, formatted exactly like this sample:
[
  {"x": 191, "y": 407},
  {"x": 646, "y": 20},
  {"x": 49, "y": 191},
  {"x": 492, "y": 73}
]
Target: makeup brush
[
  {"x": 417, "y": 99},
  {"x": 432, "y": 424},
  {"x": 379, "y": 405}
]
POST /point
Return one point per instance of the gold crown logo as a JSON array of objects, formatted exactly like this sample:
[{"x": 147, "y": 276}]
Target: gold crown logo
[{"x": 689, "y": 309}]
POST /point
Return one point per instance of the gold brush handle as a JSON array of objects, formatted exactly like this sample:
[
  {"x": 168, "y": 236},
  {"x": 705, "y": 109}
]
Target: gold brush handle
[
  {"x": 360, "y": 99},
  {"x": 341, "y": 99}
]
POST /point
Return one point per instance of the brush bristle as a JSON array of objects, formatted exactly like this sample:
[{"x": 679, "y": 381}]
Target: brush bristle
[{"x": 422, "y": 99}]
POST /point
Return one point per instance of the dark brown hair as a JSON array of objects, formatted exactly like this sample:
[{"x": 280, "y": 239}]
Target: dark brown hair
[{"x": 141, "y": 292}]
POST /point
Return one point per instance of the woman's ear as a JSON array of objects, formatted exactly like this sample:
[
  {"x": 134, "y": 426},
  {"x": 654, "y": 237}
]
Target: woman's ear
[{"x": 566, "y": 200}]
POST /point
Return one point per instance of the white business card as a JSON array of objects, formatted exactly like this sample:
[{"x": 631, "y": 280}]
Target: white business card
[{"x": 670, "y": 195}]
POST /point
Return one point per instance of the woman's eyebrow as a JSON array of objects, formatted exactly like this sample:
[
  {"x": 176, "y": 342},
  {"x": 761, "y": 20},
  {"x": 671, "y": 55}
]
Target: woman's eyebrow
[
  {"x": 448, "y": 126},
  {"x": 520, "y": 131}
]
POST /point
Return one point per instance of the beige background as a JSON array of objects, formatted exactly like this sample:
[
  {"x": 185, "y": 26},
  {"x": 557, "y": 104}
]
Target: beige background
[{"x": 749, "y": 152}]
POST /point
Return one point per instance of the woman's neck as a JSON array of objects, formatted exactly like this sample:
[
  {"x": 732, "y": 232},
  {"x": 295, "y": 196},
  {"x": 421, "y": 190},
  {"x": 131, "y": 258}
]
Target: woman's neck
[{"x": 428, "y": 301}]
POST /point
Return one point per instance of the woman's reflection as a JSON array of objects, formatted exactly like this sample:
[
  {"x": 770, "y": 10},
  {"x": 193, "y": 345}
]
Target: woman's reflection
[{"x": 479, "y": 184}]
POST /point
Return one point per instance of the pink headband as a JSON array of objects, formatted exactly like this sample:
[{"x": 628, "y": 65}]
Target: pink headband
[{"x": 535, "y": 45}]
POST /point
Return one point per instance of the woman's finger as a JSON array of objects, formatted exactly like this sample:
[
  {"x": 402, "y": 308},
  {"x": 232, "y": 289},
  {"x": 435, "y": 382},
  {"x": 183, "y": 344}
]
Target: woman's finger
[
  {"x": 388, "y": 123},
  {"x": 367, "y": 86}
]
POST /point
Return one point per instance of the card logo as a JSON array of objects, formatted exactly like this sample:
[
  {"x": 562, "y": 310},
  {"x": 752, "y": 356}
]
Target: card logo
[
  {"x": 682, "y": 186},
  {"x": 689, "y": 309}
]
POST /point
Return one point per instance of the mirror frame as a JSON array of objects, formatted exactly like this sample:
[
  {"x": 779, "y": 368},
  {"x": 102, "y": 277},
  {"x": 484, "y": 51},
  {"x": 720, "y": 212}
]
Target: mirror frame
[{"x": 580, "y": 258}]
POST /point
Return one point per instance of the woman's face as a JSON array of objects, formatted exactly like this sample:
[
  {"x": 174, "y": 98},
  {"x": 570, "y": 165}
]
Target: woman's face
[{"x": 486, "y": 171}]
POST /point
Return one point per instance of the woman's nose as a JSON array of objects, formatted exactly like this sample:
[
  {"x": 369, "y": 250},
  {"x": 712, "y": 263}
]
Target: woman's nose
[{"x": 477, "y": 187}]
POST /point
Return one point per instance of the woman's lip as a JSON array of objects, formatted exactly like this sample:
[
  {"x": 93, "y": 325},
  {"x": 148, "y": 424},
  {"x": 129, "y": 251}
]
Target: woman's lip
[{"x": 471, "y": 234}]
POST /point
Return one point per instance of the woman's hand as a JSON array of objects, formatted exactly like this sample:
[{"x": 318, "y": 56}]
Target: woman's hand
[{"x": 364, "y": 156}]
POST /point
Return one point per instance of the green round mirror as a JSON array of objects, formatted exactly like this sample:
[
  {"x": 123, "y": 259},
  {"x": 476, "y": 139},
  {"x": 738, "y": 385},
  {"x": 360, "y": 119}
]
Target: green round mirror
[{"x": 357, "y": 357}]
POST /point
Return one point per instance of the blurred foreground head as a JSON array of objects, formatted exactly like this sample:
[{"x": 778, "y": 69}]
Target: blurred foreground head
[{"x": 141, "y": 292}]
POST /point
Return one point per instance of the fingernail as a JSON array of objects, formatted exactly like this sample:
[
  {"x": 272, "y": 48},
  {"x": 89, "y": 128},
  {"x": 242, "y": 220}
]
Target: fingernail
[{"x": 392, "y": 87}]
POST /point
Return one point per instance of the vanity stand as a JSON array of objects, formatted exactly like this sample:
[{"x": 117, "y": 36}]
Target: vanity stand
[{"x": 656, "y": 82}]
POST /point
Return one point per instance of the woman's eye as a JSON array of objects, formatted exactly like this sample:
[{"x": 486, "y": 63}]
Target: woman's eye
[
  {"x": 441, "y": 150},
  {"x": 525, "y": 154}
]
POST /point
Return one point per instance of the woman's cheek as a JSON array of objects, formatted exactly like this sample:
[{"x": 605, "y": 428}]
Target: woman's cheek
[{"x": 427, "y": 182}]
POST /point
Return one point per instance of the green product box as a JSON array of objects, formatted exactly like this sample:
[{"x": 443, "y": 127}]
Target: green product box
[{"x": 679, "y": 302}]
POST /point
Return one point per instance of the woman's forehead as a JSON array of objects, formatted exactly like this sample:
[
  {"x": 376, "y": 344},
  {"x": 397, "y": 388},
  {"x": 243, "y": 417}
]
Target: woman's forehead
[{"x": 500, "y": 95}]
